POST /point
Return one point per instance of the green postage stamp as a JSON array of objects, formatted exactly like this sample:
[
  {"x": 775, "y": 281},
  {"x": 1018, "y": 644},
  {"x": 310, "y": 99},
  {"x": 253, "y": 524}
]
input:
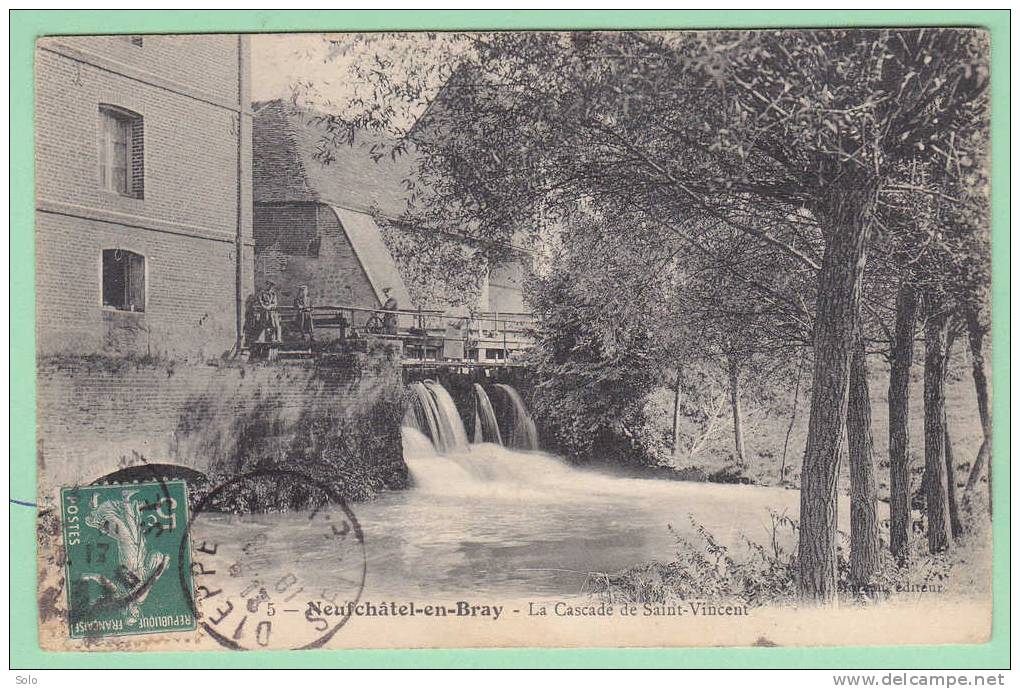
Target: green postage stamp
[{"x": 125, "y": 546}]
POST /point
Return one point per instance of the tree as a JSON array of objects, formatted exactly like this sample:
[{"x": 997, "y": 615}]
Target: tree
[
  {"x": 937, "y": 241},
  {"x": 978, "y": 325},
  {"x": 733, "y": 371},
  {"x": 936, "y": 341},
  {"x": 619, "y": 311},
  {"x": 955, "y": 522},
  {"x": 863, "y": 484},
  {"x": 800, "y": 128},
  {"x": 596, "y": 352},
  {"x": 901, "y": 359},
  {"x": 675, "y": 426},
  {"x": 877, "y": 101}
]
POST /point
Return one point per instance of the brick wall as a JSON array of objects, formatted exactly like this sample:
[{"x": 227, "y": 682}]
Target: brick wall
[
  {"x": 186, "y": 90},
  {"x": 342, "y": 275},
  {"x": 283, "y": 234},
  {"x": 207, "y": 62},
  {"x": 190, "y": 147},
  {"x": 190, "y": 292},
  {"x": 95, "y": 417}
]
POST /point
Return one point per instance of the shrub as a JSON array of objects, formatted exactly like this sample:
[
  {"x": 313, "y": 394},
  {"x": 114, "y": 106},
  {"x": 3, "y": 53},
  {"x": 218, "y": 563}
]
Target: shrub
[
  {"x": 704, "y": 569},
  {"x": 732, "y": 473}
]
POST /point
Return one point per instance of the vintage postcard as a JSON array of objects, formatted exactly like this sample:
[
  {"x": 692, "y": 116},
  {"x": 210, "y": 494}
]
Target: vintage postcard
[{"x": 540, "y": 339}]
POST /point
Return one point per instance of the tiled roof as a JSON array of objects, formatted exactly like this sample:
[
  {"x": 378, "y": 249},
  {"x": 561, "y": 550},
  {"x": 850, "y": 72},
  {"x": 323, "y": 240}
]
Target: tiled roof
[{"x": 285, "y": 140}]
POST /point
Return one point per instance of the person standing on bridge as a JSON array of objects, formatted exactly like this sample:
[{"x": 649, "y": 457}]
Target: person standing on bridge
[
  {"x": 303, "y": 306},
  {"x": 390, "y": 319},
  {"x": 269, "y": 312}
]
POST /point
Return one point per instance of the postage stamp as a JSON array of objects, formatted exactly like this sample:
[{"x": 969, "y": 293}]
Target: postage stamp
[{"x": 121, "y": 542}]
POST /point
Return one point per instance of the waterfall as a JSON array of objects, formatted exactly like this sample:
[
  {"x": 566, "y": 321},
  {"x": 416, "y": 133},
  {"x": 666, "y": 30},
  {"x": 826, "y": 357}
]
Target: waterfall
[
  {"x": 420, "y": 415},
  {"x": 435, "y": 415},
  {"x": 522, "y": 432},
  {"x": 486, "y": 428},
  {"x": 441, "y": 462}
]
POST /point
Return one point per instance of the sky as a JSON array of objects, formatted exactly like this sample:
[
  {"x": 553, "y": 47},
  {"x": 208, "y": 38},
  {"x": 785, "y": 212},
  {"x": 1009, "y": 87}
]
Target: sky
[
  {"x": 280, "y": 60},
  {"x": 323, "y": 73}
]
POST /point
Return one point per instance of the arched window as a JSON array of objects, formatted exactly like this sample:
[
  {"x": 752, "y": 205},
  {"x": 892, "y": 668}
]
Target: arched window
[
  {"x": 123, "y": 280},
  {"x": 121, "y": 151}
]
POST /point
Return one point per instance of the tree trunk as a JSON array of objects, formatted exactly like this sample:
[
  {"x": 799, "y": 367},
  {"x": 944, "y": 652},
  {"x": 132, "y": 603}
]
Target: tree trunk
[
  {"x": 863, "y": 488},
  {"x": 738, "y": 423},
  {"x": 979, "y": 463},
  {"x": 676, "y": 416},
  {"x": 793, "y": 419},
  {"x": 976, "y": 332},
  {"x": 837, "y": 307},
  {"x": 902, "y": 358},
  {"x": 954, "y": 508},
  {"x": 936, "y": 336}
]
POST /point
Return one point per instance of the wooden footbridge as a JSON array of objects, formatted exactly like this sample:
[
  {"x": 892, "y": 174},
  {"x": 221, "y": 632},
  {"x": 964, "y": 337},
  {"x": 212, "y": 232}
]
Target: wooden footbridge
[{"x": 428, "y": 339}]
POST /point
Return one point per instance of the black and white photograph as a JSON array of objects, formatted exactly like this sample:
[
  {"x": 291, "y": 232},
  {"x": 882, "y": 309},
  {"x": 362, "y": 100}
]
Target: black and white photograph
[{"x": 528, "y": 339}]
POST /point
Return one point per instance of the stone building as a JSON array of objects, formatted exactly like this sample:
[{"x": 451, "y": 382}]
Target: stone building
[
  {"x": 143, "y": 194},
  {"x": 313, "y": 222},
  {"x": 319, "y": 224}
]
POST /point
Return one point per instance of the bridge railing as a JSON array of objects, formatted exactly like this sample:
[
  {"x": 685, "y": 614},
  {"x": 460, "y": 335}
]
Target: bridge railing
[{"x": 424, "y": 333}]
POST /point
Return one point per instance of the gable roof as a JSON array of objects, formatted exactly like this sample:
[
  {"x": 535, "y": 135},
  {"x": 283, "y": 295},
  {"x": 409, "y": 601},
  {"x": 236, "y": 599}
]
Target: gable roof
[
  {"x": 286, "y": 141},
  {"x": 375, "y": 259},
  {"x": 435, "y": 122}
]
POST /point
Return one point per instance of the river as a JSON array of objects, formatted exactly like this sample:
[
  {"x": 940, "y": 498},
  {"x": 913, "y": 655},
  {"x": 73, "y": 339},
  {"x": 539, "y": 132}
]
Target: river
[{"x": 489, "y": 520}]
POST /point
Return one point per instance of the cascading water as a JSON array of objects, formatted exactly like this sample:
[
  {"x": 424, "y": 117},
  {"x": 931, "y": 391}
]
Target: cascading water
[
  {"x": 434, "y": 414},
  {"x": 485, "y": 469},
  {"x": 419, "y": 414},
  {"x": 503, "y": 523},
  {"x": 522, "y": 433},
  {"x": 442, "y": 462},
  {"x": 486, "y": 428}
]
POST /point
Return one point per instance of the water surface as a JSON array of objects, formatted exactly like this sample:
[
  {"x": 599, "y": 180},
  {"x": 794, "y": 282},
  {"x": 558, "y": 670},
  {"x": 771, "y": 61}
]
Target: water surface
[{"x": 485, "y": 520}]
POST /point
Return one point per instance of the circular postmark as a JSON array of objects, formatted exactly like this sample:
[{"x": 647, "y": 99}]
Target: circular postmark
[{"x": 280, "y": 580}]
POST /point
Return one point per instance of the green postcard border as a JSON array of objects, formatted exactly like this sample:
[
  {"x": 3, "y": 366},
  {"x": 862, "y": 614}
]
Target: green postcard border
[{"x": 26, "y": 25}]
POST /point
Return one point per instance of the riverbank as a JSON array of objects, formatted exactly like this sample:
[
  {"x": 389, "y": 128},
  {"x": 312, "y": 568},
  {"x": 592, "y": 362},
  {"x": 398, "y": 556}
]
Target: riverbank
[{"x": 764, "y": 573}]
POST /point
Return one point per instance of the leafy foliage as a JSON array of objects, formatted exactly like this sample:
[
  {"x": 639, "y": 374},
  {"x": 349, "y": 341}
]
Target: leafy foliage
[
  {"x": 515, "y": 132},
  {"x": 750, "y": 165},
  {"x": 706, "y": 570},
  {"x": 596, "y": 355},
  {"x": 766, "y": 574}
]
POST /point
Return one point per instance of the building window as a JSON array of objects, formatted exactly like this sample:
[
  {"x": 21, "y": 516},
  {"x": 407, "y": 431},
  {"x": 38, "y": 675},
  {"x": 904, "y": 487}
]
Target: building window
[
  {"x": 121, "y": 151},
  {"x": 123, "y": 280}
]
